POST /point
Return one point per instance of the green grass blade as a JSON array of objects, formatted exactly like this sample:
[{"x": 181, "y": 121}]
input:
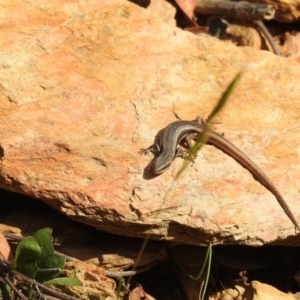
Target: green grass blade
[
  {"x": 224, "y": 97},
  {"x": 202, "y": 138},
  {"x": 207, "y": 272}
]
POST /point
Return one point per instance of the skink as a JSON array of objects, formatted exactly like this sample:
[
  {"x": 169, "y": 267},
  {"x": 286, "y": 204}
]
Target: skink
[{"x": 166, "y": 150}]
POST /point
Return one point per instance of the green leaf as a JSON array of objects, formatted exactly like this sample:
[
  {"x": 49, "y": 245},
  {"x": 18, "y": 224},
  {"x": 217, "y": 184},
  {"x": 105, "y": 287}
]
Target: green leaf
[
  {"x": 48, "y": 260},
  {"x": 27, "y": 254},
  {"x": 44, "y": 239},
  {"x": 5, "y": 291},
  {"x": 71, "y": 281}
]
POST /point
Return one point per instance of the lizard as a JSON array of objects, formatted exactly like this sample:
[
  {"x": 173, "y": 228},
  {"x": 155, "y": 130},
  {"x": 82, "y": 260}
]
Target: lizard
[{"x": 177, "y": 132}]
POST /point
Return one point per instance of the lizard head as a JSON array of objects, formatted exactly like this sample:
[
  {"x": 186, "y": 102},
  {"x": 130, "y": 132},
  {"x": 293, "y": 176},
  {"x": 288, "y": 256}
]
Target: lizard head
[{"x": 161, "y": 164}]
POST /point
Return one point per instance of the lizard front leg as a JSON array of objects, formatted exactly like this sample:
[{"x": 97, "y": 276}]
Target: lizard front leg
[{"x": 155, "y": 149}]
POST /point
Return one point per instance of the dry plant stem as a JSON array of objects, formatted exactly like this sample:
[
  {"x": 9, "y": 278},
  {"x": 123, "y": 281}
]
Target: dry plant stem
[
  {"x": 145, "y": 242},
  {"x": 7, "y": 269},
  {"x": 265, "y": 32},
  {"x": 8, "y": 281},
  {"x": 132, "y": 272},
  {"x": 46, "y": 289},
  {"x": 241, "y": 10},
  {"x": 238, "y": 10}
]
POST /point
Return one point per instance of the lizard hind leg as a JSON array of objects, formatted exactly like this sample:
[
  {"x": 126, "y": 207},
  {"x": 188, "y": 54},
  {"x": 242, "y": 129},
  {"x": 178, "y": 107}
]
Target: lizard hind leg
[
  {"x": 188, "y": 141},
  {"x": 184, "y": 153}
]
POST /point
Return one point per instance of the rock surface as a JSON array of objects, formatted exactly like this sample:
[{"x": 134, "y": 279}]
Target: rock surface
[
  {"x": 94, "y": 283},
  {"x": 255, "y": 290},
  {"x": 85, "y": 86}
]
